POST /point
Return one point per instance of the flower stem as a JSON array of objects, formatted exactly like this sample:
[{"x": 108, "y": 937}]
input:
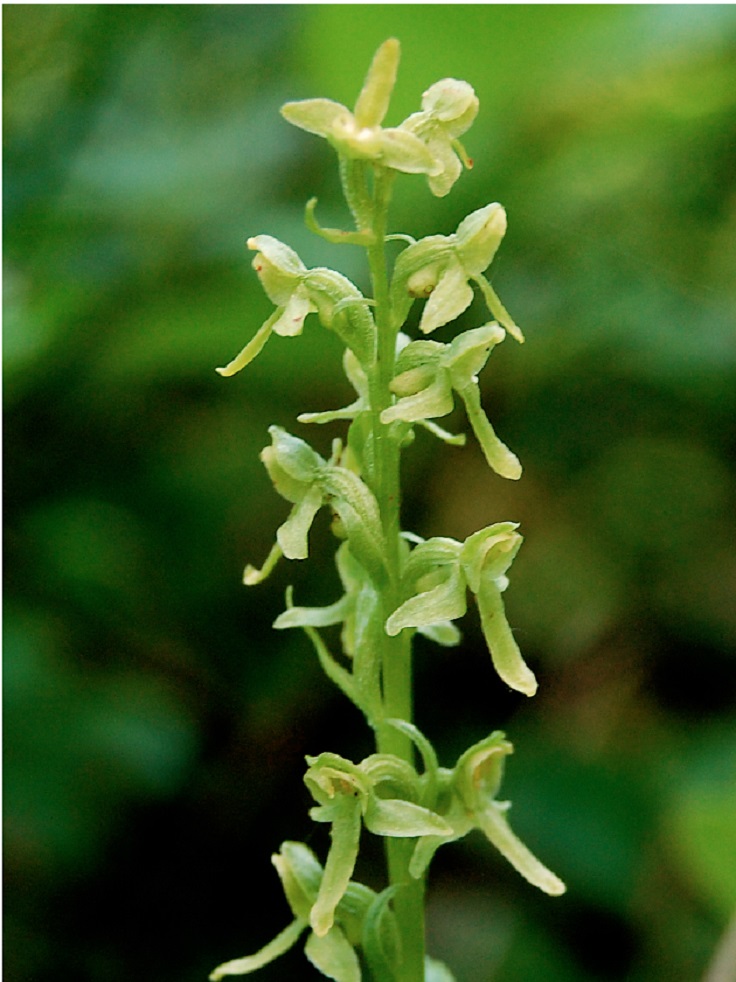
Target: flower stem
[{"x": 395, "y": 651}]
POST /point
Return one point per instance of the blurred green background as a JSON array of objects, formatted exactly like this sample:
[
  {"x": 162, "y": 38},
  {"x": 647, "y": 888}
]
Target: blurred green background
[{"x": 155, "y": 726}]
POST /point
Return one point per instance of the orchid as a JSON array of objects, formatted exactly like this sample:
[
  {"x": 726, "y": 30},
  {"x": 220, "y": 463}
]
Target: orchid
[
  {"x": 298, "y": 292},
  {"x": 448, "y": 110},
  {"x": 427, "y": 374},
  {"x": 394, "y": 584},
  {"x": 436, "y": 578},
  {"x": 441, "y": 268},
  {"x": 466, "y": 799},
  {"x": 358, "y": 134}
]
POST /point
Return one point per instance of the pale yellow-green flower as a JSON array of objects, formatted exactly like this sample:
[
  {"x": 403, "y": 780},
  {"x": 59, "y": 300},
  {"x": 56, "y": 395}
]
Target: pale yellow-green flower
[
  {"x": 358, "y": 134},
  {"x": 442, "y": 267},
  {"x": 448, "y": 110}
]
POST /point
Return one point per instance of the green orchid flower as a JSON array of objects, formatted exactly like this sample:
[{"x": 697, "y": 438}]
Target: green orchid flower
[
  {"x": 442, "y": 267},
  {"x": 362, "y": 919},
  {"x": 381, "y": 793},
  {"x": 308, "y": 481},
  {"x": 427, "y": 374},
  {"x": 466, "y": 799},
  {"x": 436, "y": 578},
  {"x": 298, "y": 292},
  {"x": 358, "y": 135},
  {"x": 448, "y": 110}
]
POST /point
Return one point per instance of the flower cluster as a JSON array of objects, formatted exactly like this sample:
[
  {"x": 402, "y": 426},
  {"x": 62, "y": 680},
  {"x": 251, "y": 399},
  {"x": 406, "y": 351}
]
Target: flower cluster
[{"x": 394, "y": 584}]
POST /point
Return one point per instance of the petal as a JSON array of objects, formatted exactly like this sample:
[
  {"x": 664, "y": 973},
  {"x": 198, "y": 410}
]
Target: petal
[
  {"x": 443, "y": 633},
  {"x": 300, "y": 874},
  {"x": 318, "y": 116},
  {"x": 252, "y": 348},
  {"x": 450, "y": 100},
  {"x": 314, "y": 616},
  {"x": 467, "y": 353},
  {"x": 433, "y": 401},
  {"x": 489, "y": 552},
  {"x": 278, "y": 254},
  {"x": 437, "y": 971},
  {"x": 372, "y": 104},
  {"x": 500, "y": 459},
  {"x": 345, "y": 835},
  {"x": 279, "y": 268},
  {"x": 497, "y": 309},
  {"x": 403, "y": 819},
  {"x": 405, "y": 152},
  {"x": 251, "y": 963},
  {"x": 505, "y": 653},
  {"x": 291, "y": 321},
  {"x": 448, "y": 300},
  {"x": 445, "y": 602},
  {"x": 292, "y": 535},
  {"x": 493, "y": 823},
  {"x": 479, "y": 236}
]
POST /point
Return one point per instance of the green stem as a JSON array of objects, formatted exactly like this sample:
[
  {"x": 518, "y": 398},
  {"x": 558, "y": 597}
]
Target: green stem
[{"x": 395, "y": 652}]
